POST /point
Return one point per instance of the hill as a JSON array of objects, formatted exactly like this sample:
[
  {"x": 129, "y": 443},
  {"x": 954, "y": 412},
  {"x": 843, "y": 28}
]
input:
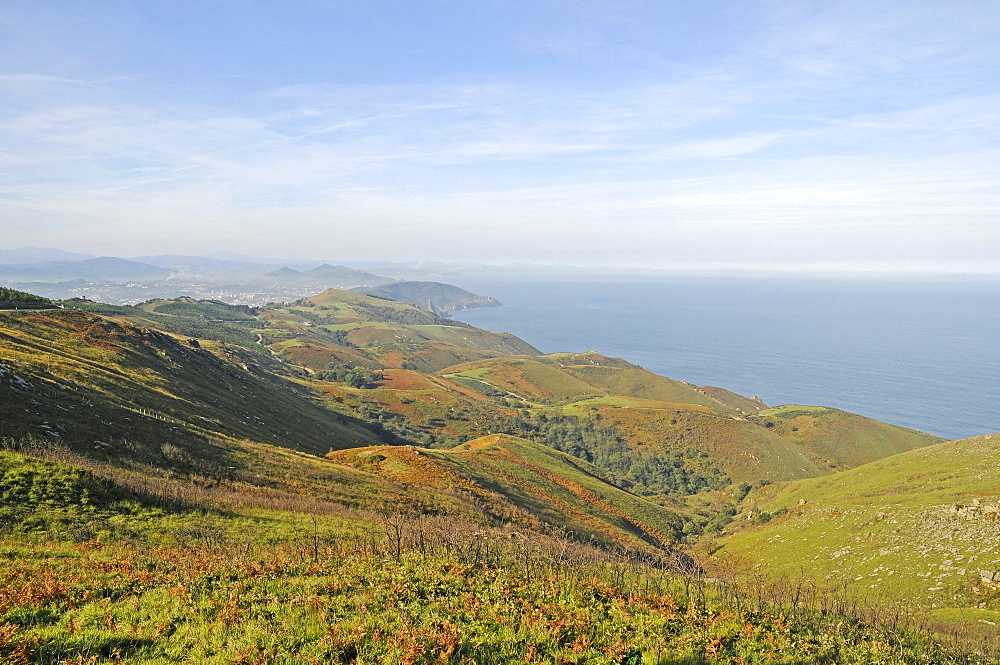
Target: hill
[
  {"x": 26, "y": 255},
  {"x": 511, "y": 478},
  {"x": 102, "y": 269},
  {"x": 100, "y": 567},
  {"x": 347, "y": 328},
  {"x": 392, "y": 366},
  {"x": 918, "y": 528},
  {"x": 93, "y": 381},
  {"x": 658, "y": 418},
  {"x": 326, "y": 276},
  {"x": 187, "y": 409},
  {"x": 13, "y": 299},
  {"x": 574, "y": 375},
  {"x": 433, "y": 296},
  {"x": 207, "y": 319},
  {"x": 203, "y": 267}
]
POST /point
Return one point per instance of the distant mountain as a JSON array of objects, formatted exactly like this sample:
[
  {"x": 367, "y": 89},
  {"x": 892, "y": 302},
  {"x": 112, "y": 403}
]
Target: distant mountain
[
  {"x": 102, "y": 269},
  {"x": 243, "y": 258},
  {"x": 203, "y": 265},
  {"x": 340, "y": 277},
  {"x": 433, "y": 296},
  {"x": 284, "y": 271},
  {"x": 27, "y": 255}
]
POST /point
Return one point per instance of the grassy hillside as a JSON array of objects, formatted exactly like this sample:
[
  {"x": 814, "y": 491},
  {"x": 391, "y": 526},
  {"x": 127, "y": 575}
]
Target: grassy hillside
[
  {"x": 416, "y": 393},
  {"x": 484, "y": 379},
  {"x": 919, "y": 527},
  {"x": 659, "y": 418},
  {"x": 776, "y": 444},
  {"x": 211, "y": 413},
  {"x": 838, "y": 438},
  {"x": 92, "y": 381},
  {"x": 342, "y": 327},
  {"x": 569, "y": 375},
  {"x": 94, "y": 572},
  {"x": 209, "y": 319},
  {"x": 432, "y": 296},
  {"x": 513, "y": 478}
]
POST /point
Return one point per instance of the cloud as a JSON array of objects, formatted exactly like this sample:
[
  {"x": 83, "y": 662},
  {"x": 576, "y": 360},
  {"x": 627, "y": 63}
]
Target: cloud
[{"x": 781, "y": 128}]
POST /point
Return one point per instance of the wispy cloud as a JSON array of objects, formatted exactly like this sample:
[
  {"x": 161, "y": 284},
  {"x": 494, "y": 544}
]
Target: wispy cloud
[{"x": 790, "y": 129}]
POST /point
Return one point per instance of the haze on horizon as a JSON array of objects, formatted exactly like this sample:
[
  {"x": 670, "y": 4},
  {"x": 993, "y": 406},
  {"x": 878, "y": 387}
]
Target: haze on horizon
[{"x": 649, "y": 134}]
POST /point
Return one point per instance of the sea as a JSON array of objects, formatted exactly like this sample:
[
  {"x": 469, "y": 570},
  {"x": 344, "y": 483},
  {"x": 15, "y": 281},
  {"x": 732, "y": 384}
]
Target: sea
[{"x": 921, "y": 354}]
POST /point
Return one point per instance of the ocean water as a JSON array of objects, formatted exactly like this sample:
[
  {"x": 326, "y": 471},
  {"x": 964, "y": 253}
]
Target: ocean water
[{"x": 924, "y": 355}]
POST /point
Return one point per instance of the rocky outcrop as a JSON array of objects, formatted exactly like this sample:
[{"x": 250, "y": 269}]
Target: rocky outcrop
[{"x": 976, "y": 510}]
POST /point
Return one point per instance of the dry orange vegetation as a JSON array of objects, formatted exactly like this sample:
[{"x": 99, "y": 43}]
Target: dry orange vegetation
[
  {"x": 514, "y": 379},
  {"x": 748, "y": 405},
  {"x": 403, "y": 379},
  {"x": 435, "y": 356},
  {"x": 403, "y": 464},
  {"x": 157, "y": 385},
  {"x": 393, "y": 359},
  {"x": 309, "y": 355}
]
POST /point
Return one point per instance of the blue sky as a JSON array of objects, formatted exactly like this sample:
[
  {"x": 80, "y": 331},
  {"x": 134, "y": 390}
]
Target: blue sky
[{"x": 823, "y": 134}]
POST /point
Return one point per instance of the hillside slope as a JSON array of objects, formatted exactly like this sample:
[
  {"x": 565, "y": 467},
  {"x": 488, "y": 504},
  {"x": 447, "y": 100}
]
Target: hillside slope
[
  {"x": 559, "y": 376},
  {"x": 432, "y": 296},
  {"x": 198, "y": 411},
  {"x": 346, "y": 328},
  {"x": 96, "y": 570},
  {"x": 93, "y": 381},
  {"x": 657, "y": 417},
  {"x": 512, "y": 478},
  {"x": 920, "y": 526},
  {"x": 341, "y": 369}
]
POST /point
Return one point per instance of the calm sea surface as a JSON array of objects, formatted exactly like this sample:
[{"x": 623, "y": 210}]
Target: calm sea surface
[{"x": 918, "y": 354}]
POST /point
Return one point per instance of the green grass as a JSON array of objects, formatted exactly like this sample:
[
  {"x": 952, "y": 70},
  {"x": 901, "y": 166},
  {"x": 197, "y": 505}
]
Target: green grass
[
  {"x": 91, "y": 382},
  {"x": 586, "y": 404},
  {"x": 236, "y": 585},
  {"x": 837, "y": 438},
  {"x": 889, "y": 528}
]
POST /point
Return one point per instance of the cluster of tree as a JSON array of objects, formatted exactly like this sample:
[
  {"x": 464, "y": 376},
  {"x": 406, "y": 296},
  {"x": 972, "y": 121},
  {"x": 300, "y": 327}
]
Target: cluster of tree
[
  {"x": 208, "y": 309},
  {"x": 338, "y": 337},
  {"x": 356, "y": 377},
  {"x": 678, "y": 472},
  {"x": 13, "y": 299},
  {"x": 392, "y": 427},
  {"x": 101, "y": 307}
]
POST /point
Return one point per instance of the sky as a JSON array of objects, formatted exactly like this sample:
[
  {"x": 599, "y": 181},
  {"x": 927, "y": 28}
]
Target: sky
[{"x": 855, "y": 135}]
